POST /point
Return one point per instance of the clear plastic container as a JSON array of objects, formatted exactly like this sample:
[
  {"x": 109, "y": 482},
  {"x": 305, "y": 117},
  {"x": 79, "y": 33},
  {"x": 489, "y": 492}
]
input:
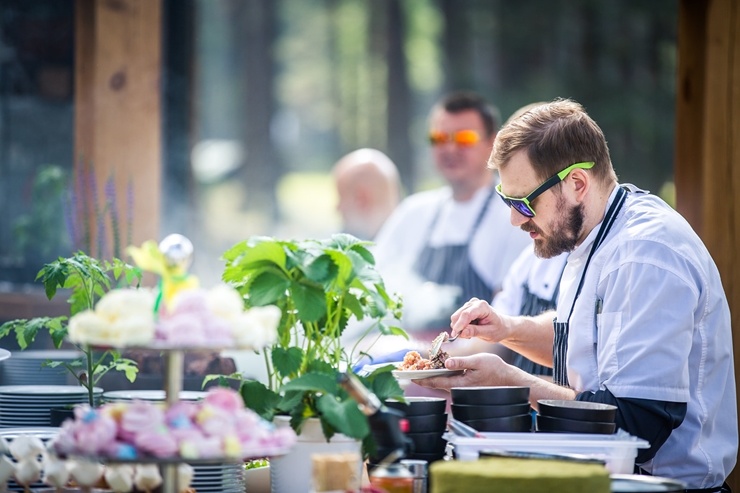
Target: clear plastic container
[{"x": 618, "y": 451}]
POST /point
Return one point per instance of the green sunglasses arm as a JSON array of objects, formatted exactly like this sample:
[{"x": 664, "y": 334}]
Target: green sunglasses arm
[{"x": 554, "y": 180}]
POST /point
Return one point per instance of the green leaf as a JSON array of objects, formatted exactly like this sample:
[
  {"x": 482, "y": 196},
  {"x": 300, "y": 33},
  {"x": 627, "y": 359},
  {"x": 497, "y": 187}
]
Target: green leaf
[
  {"x": 287, "y": 361},
  {"x": 320, "y": 366},
  {"x": 363, "y": 252},
  {"x": 384, "y": 385},
  {"x": 353, "y": 304},
  {"x": 313, "y": 382},
  {"x": 321, "y": 269},
  {"x": 394, "y": 331},
  {"x": 267, "y": 288},
  {"x": 57, "y": 330},
  {"x": 292, "y": 402},
  {"x": 53, "y": 275},
  {"x": 310, "y": 301},
  {"x": 344, "y": 271},
  {"x": 259, "y": 398},
  {"x": 264, "y": 249},
  {"x": 344, "y": 416}
]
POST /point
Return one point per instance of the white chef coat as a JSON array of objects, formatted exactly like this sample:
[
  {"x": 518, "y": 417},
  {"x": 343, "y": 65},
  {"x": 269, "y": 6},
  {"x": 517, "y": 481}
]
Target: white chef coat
[
  {"x": 652, "y": 322},
  {"x": 540, "y": 275}
]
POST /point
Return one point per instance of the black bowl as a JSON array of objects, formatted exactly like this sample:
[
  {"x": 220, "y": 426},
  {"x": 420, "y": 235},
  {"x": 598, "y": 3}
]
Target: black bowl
[
  {"x": 425, "y": 423},
  {"x": 562, "y": 425},
  {"x": 462, "y": 412},
  {"x": 415, "y": 406},
  {"x": 489, "y": 396},
  {"x": 428, "y": 457},
  {"x": 578, "y": 410},
  {"x": 514, "y": 424},
  {"x": 427, "y": 443}
]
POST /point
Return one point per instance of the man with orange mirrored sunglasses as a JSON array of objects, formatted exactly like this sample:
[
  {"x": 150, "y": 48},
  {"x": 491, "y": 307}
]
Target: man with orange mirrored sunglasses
[
  {"x": 465, "y": 137},
  {"x": 442, "y": 246}
]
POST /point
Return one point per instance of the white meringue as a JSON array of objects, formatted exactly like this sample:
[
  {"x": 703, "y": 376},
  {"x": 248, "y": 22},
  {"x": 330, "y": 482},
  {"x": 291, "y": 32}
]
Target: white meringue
[
  {"x": 147, "y": 477},
  {"x": 120, "y": 478},
  {"x": 7, "y": 469},
  {"x": 56, "y": 472},
  {"x": 4, "y": 446},
  {"x": 86, "y": 473},
  {"x": 184, "y": 476},
  {"x": 26, "y": 447},
  {"x": 27, "y": 471}
]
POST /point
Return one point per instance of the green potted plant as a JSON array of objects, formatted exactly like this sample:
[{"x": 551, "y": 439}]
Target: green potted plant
[
  {"x": 86, "y": 279},
  {"x": 320, "y": 286}
]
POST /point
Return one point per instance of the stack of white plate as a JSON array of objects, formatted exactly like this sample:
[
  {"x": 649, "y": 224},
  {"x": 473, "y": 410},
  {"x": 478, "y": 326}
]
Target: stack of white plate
[
  {"x": 44, "y": 433},
  {"x": 26, "y": 367},
  {"x": 148, "y": 395},
  {"x": 30, "y": 405},
  {"x": 219, "y": 478}
]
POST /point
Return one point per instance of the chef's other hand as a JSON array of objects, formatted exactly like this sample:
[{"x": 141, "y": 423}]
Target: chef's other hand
[
  {"x": 481, "y": 370},
  {"x": 476, "y": 318}
]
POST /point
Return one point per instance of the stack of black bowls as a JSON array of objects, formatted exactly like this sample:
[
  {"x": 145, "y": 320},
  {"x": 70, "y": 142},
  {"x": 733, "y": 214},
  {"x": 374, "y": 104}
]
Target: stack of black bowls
[
  {"x": 427, "y": 422},
  {"x": 563, "y": 416},
  {"x": 492, "y": 408}
]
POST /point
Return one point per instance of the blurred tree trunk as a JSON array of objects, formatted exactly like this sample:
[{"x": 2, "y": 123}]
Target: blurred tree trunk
[
  {"x": 263, "y": 166},
  {"x": 457, "y": 61},
  {"x": 399, "y": 94},
  {"x": 178, "y": 194}
]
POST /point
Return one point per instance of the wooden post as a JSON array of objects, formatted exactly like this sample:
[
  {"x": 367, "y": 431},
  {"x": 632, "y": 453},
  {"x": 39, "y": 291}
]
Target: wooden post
[
  {"x": 118, "y": 118},
  {"x": 708, "y": 140}
]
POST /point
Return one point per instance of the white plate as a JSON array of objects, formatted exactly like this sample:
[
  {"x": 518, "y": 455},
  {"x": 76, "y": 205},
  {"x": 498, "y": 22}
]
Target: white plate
[
  {"x": 150, "y": 395},
  {"x": 45, "y": 390},
  {"x": 420, "y": 374}
]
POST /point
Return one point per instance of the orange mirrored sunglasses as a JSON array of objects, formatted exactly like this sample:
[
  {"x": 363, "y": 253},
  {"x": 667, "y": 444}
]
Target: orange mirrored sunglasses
[{"x": 461, "y": 137}]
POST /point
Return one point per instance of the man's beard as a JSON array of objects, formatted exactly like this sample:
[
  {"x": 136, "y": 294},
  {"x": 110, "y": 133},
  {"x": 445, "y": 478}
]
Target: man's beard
[{"x": 565, "y": 233}]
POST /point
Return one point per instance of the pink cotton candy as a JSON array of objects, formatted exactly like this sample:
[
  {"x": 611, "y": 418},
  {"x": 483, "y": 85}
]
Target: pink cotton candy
[
  {"x": 219, "y": 332},
  {"x": 159, "y": 442},
  {"x": 218, "y": 426},
  {"x": 225, "y": 399},
  {"x": 138, "y": 418}
]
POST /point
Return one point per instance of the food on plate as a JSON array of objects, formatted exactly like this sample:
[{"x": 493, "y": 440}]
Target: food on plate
[{"x": 436, "y": 360}]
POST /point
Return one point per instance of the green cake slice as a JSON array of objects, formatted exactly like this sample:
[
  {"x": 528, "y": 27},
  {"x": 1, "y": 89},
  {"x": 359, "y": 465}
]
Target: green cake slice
[{"x": 510, "y": 475}]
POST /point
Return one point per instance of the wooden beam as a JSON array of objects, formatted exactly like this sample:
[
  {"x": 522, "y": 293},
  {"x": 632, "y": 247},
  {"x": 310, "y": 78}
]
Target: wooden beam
[
  {"x": 708, "y": 141},
  {"x": 118, "y": 115},
  {"x": 690, "y": 110}
]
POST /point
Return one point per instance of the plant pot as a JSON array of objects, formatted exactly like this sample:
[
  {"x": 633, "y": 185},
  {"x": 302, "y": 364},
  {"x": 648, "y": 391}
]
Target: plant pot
[
  {"x": 292, "y": 472},
  {"x": 59, "y": 415},
  {"x": 257, "y": 480}
]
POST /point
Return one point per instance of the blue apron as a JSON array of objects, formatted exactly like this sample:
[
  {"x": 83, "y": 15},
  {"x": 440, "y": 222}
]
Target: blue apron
[{"x": 450, "y": 264}]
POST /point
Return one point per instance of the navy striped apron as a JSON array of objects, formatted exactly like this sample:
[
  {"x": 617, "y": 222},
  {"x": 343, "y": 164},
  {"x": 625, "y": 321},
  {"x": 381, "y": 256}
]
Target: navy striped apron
[
  {"x": 560, "y": 345},
  {"x": 450, "y": 264}
]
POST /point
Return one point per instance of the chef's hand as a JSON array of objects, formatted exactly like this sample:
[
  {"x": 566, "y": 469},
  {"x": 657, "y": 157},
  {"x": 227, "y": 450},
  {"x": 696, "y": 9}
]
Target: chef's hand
[
  {"x": 481, "y": 370},
  {"x": 476, "y": 318}
]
